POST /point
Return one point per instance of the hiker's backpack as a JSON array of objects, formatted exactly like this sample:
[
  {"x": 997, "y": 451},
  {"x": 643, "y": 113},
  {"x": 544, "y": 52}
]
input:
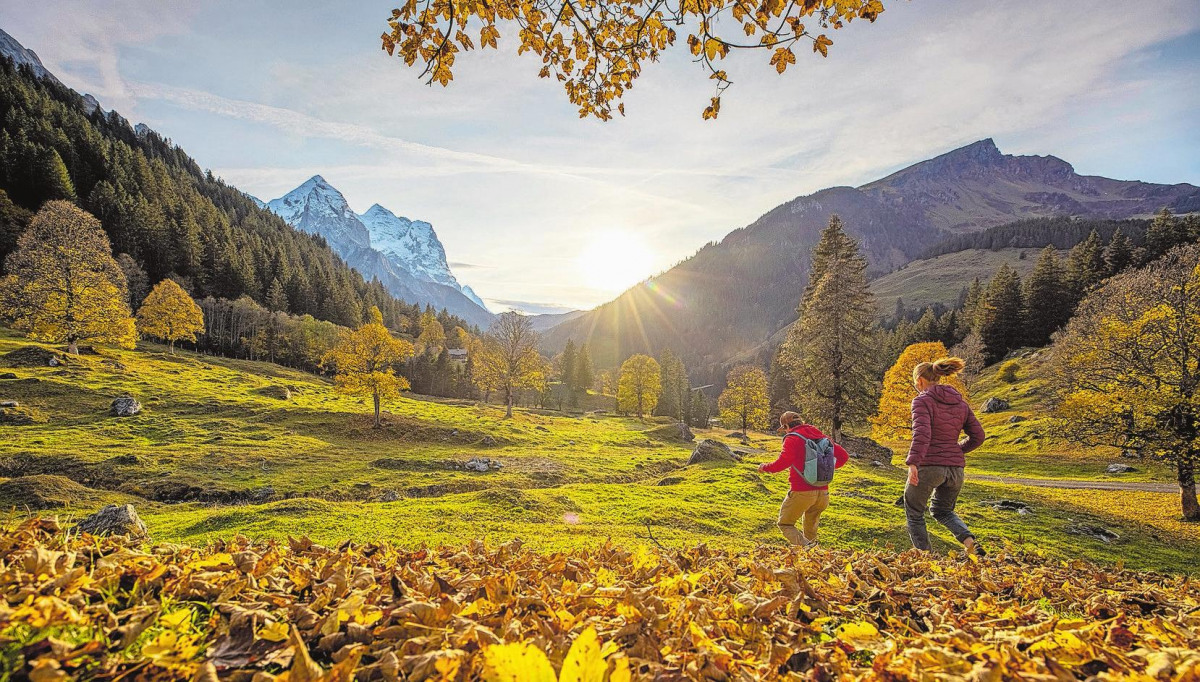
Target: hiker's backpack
[{"x": 819, "y": 460}]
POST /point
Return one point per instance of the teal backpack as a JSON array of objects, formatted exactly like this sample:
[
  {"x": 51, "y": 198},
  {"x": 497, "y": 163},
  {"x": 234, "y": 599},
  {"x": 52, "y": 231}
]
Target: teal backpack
[{"x": 819, "y": 460}]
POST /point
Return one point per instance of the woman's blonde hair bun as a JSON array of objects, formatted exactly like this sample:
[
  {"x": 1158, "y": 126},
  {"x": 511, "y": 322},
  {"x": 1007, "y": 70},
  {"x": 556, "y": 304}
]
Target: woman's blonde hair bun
[{"x": 934, "y": 371}]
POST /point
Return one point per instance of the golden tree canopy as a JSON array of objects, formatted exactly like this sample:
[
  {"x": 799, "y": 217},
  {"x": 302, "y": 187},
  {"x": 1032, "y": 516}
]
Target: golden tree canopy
[
  {"x": 1125, "y": 371},
  {"x": 363, "y": 361},
  {"x": 170, "y": 314},
  {"x": 894, "y": 419},
  {"x": 745, "y": 402},
  {"x": 597, "y": 48},
  {"x": 64, "y": 284},
  {"x": 639, "y": 385}
]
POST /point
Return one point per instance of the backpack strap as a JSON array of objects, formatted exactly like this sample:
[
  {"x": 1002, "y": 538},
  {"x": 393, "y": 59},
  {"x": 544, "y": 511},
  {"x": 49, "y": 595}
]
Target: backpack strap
[{"x": 799, "y": 470}]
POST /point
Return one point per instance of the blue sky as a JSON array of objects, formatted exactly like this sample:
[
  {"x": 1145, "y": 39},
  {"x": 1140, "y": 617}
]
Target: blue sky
[{"x": 540, "y": 210}]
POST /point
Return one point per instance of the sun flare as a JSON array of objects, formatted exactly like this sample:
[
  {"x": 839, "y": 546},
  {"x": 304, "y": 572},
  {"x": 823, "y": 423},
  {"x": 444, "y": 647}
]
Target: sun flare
[{"x": 615, "y": 260}]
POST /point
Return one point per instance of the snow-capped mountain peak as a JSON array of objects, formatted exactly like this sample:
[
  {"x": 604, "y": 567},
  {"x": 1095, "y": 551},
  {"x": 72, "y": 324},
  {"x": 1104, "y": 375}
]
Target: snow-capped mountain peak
[
  {"x": 410, "y": 244},
  {"x": 405, "y": 255},
  {"x": 318, "y": 207}
]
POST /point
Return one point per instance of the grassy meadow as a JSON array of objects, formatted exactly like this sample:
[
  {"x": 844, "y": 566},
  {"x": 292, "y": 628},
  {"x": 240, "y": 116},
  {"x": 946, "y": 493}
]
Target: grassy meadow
[{"x": 225, "y": 447}]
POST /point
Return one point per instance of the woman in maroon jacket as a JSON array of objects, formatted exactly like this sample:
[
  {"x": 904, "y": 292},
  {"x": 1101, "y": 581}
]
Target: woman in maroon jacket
[
  {"x": 804, "y": 499},
  {"x": 936, "y": 459}
]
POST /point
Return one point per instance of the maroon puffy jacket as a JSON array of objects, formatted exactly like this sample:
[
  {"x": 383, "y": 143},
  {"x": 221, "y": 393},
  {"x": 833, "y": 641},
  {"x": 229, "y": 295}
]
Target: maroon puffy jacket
[{"x": 939, "y": 415}]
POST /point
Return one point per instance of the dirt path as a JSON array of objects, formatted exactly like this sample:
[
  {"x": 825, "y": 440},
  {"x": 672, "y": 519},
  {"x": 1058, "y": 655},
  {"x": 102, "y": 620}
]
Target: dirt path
[{"x": 1069, "y": 484}]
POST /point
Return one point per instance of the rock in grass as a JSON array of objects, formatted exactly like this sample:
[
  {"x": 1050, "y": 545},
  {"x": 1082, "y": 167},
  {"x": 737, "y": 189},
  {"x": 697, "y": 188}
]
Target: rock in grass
[
  {"x": 275, "y": 391},
  {"x": 1119, "y": 468},
  {"x": 8, "y": 375},
  {"x": 114, "y": 520},
  {"x": 865, "y": 448},
  {"x": 125, "y": 406},
  {"x": 709, "y": 450},
  {"x": 1016, "y": 419},
  {"x": 993, "y": 404},
  {"x": 1009, "y": 505},
  {"x": 1097, "y": 532},
  {"x": 482, "y": 464},
  {"x": 9, "y": 403},
  {"x": 670, "y": 480},
  {"x": 390, "y": 496}
]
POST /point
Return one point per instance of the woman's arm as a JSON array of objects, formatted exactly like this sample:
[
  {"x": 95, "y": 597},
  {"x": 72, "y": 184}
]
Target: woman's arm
[
  {"x": 920, "y": 433},
  {"x": 975, "y": 434}
]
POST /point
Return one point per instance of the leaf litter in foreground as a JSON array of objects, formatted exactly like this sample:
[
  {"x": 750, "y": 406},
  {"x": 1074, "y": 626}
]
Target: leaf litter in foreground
[{"x": 105, "y": 608}]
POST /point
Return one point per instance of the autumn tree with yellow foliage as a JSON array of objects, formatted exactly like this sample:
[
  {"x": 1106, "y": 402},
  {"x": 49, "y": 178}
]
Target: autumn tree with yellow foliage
[
  {"x": 894, "y": 419},
  {"x": 1125, "y": 371},
  {"x": 170, "y": 314},
  {"x": 597, "y": 49},
  {"x": 639, "y": 385},
  {"x": 363, "y": 361},
  {"x": 745, "y": 401},
  {"x": 63, "y": 284}
]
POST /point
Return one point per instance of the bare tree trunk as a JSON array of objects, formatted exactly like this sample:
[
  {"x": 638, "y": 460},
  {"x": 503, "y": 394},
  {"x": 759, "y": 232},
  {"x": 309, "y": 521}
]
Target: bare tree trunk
[
  {"x": 1186, "y": 467},
  {"x": 508, "y": 403},
  {"x": 73, "y": 346},
  {"x": 377, "y": 422}
]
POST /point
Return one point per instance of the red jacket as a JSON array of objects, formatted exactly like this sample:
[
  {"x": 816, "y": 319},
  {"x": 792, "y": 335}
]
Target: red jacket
[
  {"x": 939, "y": 415},
  {"x": 792, "y": 457}
]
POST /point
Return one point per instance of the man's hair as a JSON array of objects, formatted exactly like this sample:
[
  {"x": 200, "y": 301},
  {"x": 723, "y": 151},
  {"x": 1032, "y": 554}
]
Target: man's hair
[{"x": 790, "y": 419}]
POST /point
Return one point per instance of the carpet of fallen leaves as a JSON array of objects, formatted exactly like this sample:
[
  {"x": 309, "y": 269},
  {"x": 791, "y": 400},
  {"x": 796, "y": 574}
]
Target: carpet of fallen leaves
[{"x": 79, "y": 607}]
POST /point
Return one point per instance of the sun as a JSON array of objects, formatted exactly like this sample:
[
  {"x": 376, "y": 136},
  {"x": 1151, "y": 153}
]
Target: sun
[{"x": 615, "y": 260}]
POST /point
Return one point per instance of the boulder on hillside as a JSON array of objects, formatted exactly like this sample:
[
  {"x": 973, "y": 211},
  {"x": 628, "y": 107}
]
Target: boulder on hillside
[
  {"x": 1016, "y": 419},
  {"x": 709, "y": 450},
  {"x": 482, "y": 464},
  {"x": 1119, "y": 468},
  {"x": 670, "y": 480},
  {"x": 8, "y": 375},
  {"x": 9, "y": 403},
  {"x": 390, "y": 496},
  {"x": 672, "y": 432},
  {"x": 125, "y": 406},
  {"x": 994, "y": 404},
  {"x": 274, "y": 391},
  {"x": 1009, "y": 505},
  {"x": 114, "y": 520},
  {"x": 865, "y": 448},
  {"x": 1097, "y": 532}
]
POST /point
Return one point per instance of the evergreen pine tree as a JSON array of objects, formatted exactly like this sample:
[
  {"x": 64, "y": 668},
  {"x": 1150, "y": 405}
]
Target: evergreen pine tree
[
  {"x": 585, "y": 372},
  {"x": 668, "y": 405},
  {"x": 971, "y": 301},
  {"x": 1046, "y": 299},
  {"x": 277, "y": 296},
  {"x": 1118, "y": 255},
  {"x": 831, "y": 351},
  {"x": 55, "y": 182},
  {"x": 567, "y": 373},
  {"x": 1162, "y": 234},
  {"x": 1087, "y": 266},
  {"x": 999, "y": 319}
]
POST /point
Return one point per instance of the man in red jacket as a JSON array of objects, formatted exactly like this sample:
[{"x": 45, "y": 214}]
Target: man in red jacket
[{"x": 804, "y": 499}]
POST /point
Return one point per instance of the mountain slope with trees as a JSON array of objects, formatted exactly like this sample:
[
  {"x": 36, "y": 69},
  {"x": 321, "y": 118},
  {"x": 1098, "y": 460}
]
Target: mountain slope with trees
[
  {"x": 734, "y": 294},
  {"x": 169, "y": 217}
]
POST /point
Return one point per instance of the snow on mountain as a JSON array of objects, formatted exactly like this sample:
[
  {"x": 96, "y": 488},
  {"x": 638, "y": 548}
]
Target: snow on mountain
[
  {"x": 410, "y": 244},
  {"x": 257, "y": 202},
  {"x": 404, "y": 255},
  {"x": 470, "y": 293},
  {"x": 317, "y": 207},
  {"x": 9, "y": 47}
]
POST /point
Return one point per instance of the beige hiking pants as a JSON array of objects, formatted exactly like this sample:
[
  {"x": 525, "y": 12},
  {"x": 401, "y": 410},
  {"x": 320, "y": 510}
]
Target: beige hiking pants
[{"x": 806, "y": 503}]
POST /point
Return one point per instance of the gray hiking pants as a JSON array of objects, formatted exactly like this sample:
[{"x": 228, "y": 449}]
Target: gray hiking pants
[{"x": 943, "y": 484}]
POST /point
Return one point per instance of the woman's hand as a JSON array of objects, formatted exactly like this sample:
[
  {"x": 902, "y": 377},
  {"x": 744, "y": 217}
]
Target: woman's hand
[
  {"x": 763, "y": 467},
  {"x": 913, "y": 477}
]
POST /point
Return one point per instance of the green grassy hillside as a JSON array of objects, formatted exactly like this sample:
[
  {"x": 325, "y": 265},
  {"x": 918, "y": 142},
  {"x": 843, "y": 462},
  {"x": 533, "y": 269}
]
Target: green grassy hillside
[
  {"x": 214, "y": 453},
  {"x": 939, "y": 280}
]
